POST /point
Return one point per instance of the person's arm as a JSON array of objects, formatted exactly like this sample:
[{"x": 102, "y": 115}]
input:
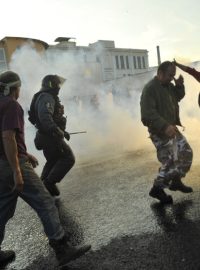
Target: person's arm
[
  {"x": 189, "y": 70},
  {"x": 33, "y": 160},
  {"x": 10, "y": 148},
  {"x": 182, "y": 67}
]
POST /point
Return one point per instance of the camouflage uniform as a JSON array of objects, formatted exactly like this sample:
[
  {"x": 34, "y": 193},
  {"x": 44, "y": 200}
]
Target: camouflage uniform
[{"x": 175, "y": 156}]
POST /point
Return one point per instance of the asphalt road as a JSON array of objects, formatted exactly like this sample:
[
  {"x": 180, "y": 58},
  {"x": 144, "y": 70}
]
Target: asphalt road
[{"x": 105, "y": 202}]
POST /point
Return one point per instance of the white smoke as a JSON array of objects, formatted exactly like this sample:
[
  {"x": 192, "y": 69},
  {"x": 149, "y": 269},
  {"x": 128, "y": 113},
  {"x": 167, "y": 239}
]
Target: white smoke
[
  {"x": 112, "y": 121},
  {"x": 109, "y": 112}
]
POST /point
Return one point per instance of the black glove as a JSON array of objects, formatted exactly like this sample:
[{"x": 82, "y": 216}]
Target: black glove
[
  {"x": 67, "y": 135},
  {"x": 57, "y": 132}
]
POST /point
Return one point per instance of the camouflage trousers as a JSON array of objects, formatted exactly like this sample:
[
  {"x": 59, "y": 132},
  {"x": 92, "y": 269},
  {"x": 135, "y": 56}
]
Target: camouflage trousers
[{"x": 175, "y": 156}]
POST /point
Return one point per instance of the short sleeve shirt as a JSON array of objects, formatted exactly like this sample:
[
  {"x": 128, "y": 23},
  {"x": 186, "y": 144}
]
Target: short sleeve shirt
[{"x": 12, "y": 118}]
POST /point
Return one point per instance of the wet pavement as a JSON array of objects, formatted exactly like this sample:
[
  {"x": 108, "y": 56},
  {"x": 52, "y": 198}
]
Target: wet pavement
[{"x": 105, "y": 202}]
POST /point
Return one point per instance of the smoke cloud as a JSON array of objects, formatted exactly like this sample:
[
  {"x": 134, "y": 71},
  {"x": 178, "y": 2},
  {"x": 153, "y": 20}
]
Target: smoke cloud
[{"x": 109, "y": 112}]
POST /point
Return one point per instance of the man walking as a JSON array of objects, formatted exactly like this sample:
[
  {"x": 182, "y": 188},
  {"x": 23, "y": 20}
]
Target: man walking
[
  {"x": 47, "y": 114},
  {"x": 18, "y": 178},
  {"x": 160, "y": 113}
]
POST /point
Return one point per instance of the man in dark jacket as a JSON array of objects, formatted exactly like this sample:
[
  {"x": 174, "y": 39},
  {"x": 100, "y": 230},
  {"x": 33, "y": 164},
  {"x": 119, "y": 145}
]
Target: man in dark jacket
[
  {"x": 18, "y": 178},
  {"x": 160, "y": 113},
  {"x": 47, "y": 114}
]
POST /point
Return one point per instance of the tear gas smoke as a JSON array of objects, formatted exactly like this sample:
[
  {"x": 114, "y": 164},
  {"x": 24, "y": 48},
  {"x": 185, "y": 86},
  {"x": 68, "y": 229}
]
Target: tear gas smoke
[{"x": 109, "y": 112}]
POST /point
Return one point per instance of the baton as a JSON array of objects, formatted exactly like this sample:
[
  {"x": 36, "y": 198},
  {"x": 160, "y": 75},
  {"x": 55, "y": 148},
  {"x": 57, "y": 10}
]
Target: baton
[{"x": 78, "y": 132}]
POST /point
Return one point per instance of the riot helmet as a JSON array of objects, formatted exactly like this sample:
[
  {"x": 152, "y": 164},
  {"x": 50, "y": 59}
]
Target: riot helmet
[{"x": 52, "y": 82}]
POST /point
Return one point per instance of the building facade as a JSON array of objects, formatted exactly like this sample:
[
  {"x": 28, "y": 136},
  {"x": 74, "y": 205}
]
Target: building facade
[
  {"x": 8, "y": 45},
  {"x": 100, "y": 61},
  {"x": 103, "y": 60}
]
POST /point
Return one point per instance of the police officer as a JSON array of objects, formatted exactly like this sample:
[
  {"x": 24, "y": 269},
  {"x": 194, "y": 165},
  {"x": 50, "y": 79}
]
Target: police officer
[
  {"x": 160, "y": 113},
  {"x": 47, "y": 114}
]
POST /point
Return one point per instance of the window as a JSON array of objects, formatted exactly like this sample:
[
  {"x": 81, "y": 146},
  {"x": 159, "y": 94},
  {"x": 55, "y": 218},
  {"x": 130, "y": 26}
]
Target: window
[
  {"x": 117, "y": 61},
  {"x": 134, "y": 62},
  {"x": 139, "y": 62},
  {"x": 127, "y": 62},
  {"x": 3, "y": 64},
  {"x": 143, "y": 62},
  {"x": 122, "y": 62}
]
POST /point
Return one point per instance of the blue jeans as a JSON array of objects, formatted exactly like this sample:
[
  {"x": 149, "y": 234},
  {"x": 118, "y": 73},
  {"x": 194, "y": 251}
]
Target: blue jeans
[{"x": 34, "y": 193}]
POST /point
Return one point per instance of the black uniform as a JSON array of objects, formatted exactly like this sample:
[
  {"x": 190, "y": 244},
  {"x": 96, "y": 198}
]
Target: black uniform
[{"x": 48, "y": 114}]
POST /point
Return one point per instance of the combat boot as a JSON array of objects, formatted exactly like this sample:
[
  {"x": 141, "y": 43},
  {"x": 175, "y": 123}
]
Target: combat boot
[
  {"x": 177, "y": 184},
  {"x": 52, "y": 188},
  {"x": 65, "y": 252},
  {"x": 158, "y": 193},
  {"x": 6, "y": 257}
]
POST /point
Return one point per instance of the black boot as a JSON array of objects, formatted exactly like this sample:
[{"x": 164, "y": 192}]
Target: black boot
[
  {"x": 6, "y": 257},
  {"x": 52, "y": 188},
  {"x": 159, "y": 194},
  {"x": 65, "y": 252},
  {"x": 177, "y": 184}
]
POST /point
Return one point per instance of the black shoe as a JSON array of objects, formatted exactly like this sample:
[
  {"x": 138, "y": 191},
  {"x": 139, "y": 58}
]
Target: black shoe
[
  {"x": 73, "y": 253},
  {"x": 52, "y": 188},
  {"x": 65, "y": 252},
  {"x": 178, "y": 185},
  {"x": 159, "y": 194},
  {"x": 6, "y": 257}
]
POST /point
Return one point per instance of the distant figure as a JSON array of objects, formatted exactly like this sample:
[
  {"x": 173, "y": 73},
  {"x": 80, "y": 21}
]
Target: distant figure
[
  {"x": 18, "y": 178},
  {"x": 47, "y": 115},
  {"x": 160, "y": 113},
  {"x": 94, "y": 102}
]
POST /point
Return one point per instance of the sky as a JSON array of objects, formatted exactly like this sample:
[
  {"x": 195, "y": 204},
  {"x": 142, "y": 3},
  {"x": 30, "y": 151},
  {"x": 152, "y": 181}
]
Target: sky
[{"x": 144, "y": 24}]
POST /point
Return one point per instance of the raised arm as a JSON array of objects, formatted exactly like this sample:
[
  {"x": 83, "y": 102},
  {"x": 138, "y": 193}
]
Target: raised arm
[{"x": 189, "y": 70}]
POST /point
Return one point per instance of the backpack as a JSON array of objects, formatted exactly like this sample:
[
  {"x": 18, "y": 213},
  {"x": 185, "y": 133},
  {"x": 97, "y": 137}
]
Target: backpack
[{"x": 32, "y": 114}]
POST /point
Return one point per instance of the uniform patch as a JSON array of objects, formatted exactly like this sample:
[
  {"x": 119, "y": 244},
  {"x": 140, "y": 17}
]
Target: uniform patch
[{"x": 48, "y": 105}]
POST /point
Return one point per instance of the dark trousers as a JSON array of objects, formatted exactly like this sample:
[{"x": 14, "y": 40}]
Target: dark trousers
[{"x": 59, "y": 160}]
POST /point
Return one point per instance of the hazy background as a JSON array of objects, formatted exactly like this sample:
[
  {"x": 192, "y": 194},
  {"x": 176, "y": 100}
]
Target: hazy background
[
  {"x": 113, "y": 126},
  {"x": 172, "y": 24}
]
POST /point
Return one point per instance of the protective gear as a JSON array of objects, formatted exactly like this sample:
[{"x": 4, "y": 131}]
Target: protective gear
[
  {"x": 65, "y": 252},
  {"x": 39, "y": 140},
  {"x": 67, "y": 135},
  {"x": 58, "y": 133},
  {"x": 42, "y": 98},
  {"x": 9, "y": 80},
  {"x": 52, "y": 82}
]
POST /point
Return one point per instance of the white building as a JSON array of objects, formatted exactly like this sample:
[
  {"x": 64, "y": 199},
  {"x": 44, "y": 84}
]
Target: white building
[{"x": 102, "y": 61}]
